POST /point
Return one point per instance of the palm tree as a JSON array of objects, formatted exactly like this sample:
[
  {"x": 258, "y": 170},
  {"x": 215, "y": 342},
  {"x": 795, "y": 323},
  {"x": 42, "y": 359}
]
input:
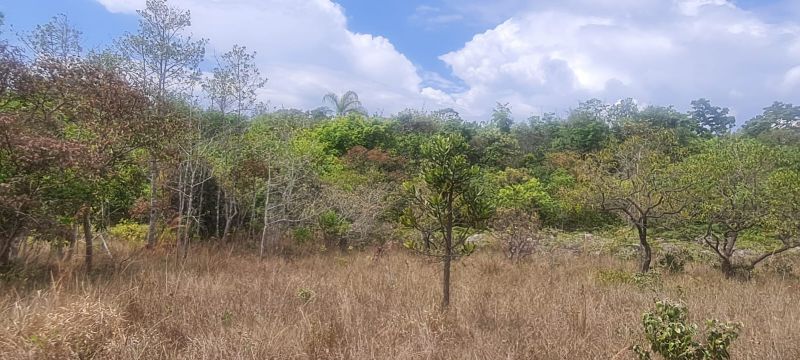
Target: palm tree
[{"x": 347, "y": 104}]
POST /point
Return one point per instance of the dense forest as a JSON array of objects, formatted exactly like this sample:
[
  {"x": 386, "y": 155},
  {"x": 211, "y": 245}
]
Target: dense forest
[{"x": 134, "y": 144}]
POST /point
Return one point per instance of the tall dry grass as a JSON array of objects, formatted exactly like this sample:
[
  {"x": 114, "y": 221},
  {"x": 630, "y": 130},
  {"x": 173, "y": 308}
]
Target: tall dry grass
[{"x": 221, "y": 304}]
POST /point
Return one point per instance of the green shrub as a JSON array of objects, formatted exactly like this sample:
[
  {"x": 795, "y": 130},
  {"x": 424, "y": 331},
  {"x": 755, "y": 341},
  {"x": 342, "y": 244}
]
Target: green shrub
[
  {"x": 302, "y": 235},
  {"x": 674, "y": 260},
  {"x": 672, "y": 337},
  {"x": 129, "y": 231}
]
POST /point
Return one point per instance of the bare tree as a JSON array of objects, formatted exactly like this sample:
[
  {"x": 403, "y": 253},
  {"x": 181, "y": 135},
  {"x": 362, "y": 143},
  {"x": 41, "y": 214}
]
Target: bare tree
[
  {"x": 234, "y": 82},
  {"x": 56, "y": 40},
  {"x": 161, "y": 60}
]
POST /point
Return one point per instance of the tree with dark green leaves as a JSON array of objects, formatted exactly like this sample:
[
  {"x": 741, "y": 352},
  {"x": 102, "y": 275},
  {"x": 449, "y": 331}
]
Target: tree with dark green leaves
[
  {"x": 779, "y": 123},
  {"x": 711, "y": 120},
  {"x": 448, "y": 193}
]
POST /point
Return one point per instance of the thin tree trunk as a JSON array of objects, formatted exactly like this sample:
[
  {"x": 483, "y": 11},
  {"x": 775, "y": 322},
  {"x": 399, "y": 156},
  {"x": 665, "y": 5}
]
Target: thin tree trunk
[
  {"x": 448, "y": 253},
  {"x": 266, "y": 212},
  {"x": 87, "y": 235},
  {"x": 647, "y": 252},
  {"x": 151, "y": 229},
  {"x": 189, "y": 212},
  {"x": 219, "y": 206},
  {"x": 181, "y": 206}
]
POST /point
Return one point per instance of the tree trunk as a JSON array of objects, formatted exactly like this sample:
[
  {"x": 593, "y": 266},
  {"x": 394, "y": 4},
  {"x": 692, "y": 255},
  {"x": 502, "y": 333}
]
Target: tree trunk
[
  {"x": 266, "y": 213},
  {"x": 230, "y": 214},
  {"x": 87, "y": 234},
  {"x": 647, "y": 252},
  {"x": 219, "y": 206},
  {"x": 448, "y": 254},
  {"x": 184, "y": 248},
  {"x": 73, "y": 241},
  {"x": 151, "y": 229},
  {"x": 727, "y": 268},
  {"x": 7, "y": 248}
]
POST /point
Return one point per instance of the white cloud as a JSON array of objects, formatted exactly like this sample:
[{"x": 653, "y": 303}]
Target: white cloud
[
  {"x": 305, "y": 49},
  {"x": 551, "y": 56},
  {"x": 543, "y": 56}
]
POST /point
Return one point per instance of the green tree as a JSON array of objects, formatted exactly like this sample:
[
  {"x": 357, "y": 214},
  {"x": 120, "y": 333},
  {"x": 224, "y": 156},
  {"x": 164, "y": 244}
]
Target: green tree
[
  {"x": 346, "y": 104},
  {"x": 638, "y": 181},
  {"x": 733, "y": 187},
  {"x": 711, "y": 120},
  {"x": 779, "y": 123},
  {"x": 449, "y": 193},
  {"x": 501, "y": 118}
]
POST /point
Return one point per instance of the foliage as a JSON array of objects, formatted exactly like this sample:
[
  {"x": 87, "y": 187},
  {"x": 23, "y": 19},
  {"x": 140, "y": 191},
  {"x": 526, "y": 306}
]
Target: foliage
[
  {"x": 129, "y": 231},
  {"x": 449, "y": 194},
  {"x": 671, "y": 336}
]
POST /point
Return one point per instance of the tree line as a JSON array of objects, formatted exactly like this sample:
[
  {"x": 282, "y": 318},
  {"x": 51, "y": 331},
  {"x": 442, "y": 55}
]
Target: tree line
[{"x": 137, "y": 134}]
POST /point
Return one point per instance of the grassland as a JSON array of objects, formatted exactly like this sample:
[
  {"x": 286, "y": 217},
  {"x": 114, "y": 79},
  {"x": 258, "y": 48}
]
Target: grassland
[{"x": 224, "y": 303}]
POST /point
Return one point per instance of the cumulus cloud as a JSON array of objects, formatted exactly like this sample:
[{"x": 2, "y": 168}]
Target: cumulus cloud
[
  {"x": 549, "y": 57},
  {"x": 305, "y": 49},
  {"x": 539, "y": 56}
]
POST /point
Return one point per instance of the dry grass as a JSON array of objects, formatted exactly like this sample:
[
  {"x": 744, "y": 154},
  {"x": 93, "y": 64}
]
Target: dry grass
[{"x": 223, "y": 305}]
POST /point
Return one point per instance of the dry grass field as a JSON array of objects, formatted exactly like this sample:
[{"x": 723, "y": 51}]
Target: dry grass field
[{"x": 222, "y": 304}]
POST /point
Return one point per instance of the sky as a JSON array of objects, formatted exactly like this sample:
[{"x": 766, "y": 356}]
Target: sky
[{"x": 538, "y": 56}]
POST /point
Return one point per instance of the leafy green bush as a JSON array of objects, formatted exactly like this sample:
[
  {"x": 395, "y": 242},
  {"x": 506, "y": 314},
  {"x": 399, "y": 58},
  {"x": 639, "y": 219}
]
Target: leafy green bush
[
  {"x": 334, "y": 228},
  {"x": 674, "y": 260},
  {"x": 672, "y": 337},
  {"x": 302, "y": 235},
  {"x": 129, "y": 231}
]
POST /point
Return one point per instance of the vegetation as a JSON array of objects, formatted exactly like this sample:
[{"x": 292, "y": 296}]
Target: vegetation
[{"x": 182, "y": 188}]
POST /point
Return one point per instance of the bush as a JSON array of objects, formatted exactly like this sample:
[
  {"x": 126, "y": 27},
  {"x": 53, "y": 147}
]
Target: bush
[
  {"x": 129, "y": 231},
  {"x": 672, "y": 337},
  {"x": 302, "y": 235},
  {"x": 674, "y": 260},
  {"x": 518, "y": 232}
]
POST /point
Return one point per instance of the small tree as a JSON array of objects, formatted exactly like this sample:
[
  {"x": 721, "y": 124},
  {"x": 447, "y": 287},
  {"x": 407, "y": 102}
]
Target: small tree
[
  {"x": 735, "y": 187},
  {"x": 448, "y": 192},
  {"x": 636, "y": 180}
]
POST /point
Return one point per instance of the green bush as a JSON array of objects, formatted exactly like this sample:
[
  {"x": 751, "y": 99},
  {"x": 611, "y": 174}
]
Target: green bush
[
  {"x": 674, "y": 260},
  {"x": 302, "y": 235},
  {"x": 672, "y": 337},
  {"x": 129, "y": 231}
]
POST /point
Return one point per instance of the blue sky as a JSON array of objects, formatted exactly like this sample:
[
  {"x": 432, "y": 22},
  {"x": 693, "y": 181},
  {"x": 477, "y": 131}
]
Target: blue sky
[{"x": 539, "y": 56}]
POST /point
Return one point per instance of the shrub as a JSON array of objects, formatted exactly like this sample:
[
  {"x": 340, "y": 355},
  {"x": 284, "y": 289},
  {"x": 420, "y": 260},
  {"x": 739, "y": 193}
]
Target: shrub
[
  {"x": 129, "y": 231},
  {"x": 672, "y": 337},
  {"x": 302, "y": 235},
  {"x": 674, "y": 260},
  {"x": 517, "y": 231}
]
